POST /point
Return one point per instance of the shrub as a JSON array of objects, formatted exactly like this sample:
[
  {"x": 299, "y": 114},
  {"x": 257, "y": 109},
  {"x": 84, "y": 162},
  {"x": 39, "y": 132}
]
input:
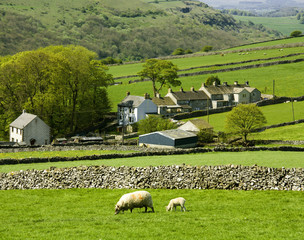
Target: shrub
[
  {"x": 178, "y": 51},
  {"x": 205, "y": 136},
  {"x": 154, "y": 123},
  {"x": 207, "y": 48},
  {"x": 296, "y": 33}
]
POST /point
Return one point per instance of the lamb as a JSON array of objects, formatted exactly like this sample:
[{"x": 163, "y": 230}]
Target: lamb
[
  {"x": 176, "y": 202},
  {"x": 137, "y": 199}
]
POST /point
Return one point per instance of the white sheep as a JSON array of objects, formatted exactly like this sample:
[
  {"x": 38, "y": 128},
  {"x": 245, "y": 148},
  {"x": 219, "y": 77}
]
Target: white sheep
[
  {"x": 176, "y": 202},
  {"x": 132, "y": 200}
]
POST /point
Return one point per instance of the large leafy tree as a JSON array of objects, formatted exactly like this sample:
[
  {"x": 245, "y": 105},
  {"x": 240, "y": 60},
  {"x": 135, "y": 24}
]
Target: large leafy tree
[
  {"x": 65, "y": 86},
  {"x": 161, "y": 73},
  {"x": 243, "y": 119}
]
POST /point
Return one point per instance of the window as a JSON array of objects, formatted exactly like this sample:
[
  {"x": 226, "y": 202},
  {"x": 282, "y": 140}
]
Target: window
[
  {"x": 12, "y": 129},
  {"x": 130, "y": 119},
  {"x": 45, "y": 142},
  {"x": 244, "y": 95},
  {"x": 13, "y": 140}
]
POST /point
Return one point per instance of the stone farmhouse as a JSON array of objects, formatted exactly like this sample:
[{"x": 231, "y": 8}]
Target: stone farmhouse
[
  {"x": 30, "y": 130},
  {"x": 134, "y": 108},
  {"x": 231, "y": 95}
]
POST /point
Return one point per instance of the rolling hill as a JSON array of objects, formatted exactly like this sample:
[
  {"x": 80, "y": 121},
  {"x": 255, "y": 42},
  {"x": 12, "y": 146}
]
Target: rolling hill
[{"x": 129, "y": 30}]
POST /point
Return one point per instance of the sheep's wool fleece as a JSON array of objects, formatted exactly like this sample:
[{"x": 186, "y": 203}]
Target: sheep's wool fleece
[{"x": 136, "y": 199}]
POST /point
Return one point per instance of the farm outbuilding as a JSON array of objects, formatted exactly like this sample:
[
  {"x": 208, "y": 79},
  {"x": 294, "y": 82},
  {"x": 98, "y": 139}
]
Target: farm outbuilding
[
  {"x": 175, "y": 138},
  {"x": 195, "y": 125}
]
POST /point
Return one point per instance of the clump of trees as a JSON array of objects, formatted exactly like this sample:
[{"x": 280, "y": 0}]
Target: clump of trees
[
  {"x": 64, "y": 86},
  {"x": 155, "y": 123}
]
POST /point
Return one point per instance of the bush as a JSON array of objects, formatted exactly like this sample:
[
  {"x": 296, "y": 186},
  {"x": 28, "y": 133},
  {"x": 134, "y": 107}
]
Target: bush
[
  {"x": 154, "y": 123},
  {"x": 178, "y": 51},
  {"x": 210, "y": 80},
  {"x": 296, "y": 33},
  {"x": 207, "y": 48},
  {"x": 205, "y": 136}
]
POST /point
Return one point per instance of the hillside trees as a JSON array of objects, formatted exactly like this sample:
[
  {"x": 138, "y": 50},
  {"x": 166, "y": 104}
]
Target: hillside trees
[
  {"x": 161, "y": 73},
  {"x": 64, "y": 86}
]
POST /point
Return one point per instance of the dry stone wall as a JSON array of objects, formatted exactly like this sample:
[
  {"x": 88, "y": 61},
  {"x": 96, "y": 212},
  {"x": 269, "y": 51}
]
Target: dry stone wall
[{"x": 232, "y": 177}]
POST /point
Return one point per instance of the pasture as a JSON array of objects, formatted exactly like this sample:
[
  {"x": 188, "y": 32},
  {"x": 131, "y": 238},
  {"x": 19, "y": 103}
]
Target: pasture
[
  {"x": 284, "y": 25},
  {"x": 89, "y": 214},
  {"x": 263, "y": 158}
]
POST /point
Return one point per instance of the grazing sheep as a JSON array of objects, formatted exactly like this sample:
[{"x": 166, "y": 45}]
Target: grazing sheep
[
  {"x": 176, "y": 202},
  {"x": 137, "y": 199}
]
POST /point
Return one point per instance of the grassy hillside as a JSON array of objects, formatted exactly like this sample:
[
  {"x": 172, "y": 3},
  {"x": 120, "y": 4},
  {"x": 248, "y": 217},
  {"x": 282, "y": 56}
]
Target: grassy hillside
[
  {"x": 123, "y": 29},
  {"x": 287, "y": 76},
  {"x": 285, "y": 25}
]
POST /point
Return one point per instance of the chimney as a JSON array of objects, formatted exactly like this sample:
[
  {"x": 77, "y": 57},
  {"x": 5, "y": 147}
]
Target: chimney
[
  {"x": 192, "y": 89},
  {"x": 158, "y": 95},
  {"x": 147, "y": 96},
  {"x": 204, "y": 85},
  {"x": 23, "y": 111},
  {"x": 225, "y": 84},
  {"x": 128, "y": 93},
  {"x": 215, "y": 83},
  {"x": 247, "y": 83},
  {"x": 181, "y": 89},
  {"x": 170, "y": 90},
  {"x": 236, "y": 83}
]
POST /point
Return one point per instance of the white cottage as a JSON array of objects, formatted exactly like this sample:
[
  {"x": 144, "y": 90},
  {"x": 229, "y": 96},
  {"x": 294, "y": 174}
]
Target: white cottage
[
  {"x": 134, "y": 108},
  {"x": 29, "y": 129}
]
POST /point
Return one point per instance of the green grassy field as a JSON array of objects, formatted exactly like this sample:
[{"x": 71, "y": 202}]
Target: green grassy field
[
  {"x": 274, "y": 114},
  {"x": 287, "y": 133},
  {"x": 284, "y": 25},
  {"x": 265, "y": 158},
  {"x": 89, "y": 214},
  {"x": 46, "y": 154}
]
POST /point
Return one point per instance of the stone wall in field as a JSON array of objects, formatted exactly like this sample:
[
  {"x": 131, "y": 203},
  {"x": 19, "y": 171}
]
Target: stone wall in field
[{"x": 231, "y": 177}]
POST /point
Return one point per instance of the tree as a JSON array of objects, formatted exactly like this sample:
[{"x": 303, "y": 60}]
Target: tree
[
  {"x": 154, "y": 123},
  {"x": 210, "y": 80},
  {"x": 296, "y": 33},
  {"x": 243, "y": 119},
  {"x": 161, "y": 73},
  {"x": 65, "y": 86}
]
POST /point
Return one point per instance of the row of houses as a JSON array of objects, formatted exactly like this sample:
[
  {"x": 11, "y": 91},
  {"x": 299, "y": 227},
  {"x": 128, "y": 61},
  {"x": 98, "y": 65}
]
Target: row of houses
[{"x": 134, "y": 108}]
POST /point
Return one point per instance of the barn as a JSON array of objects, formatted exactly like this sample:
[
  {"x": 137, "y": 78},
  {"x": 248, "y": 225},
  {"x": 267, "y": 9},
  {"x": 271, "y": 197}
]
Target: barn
[{"x": 174, "y": 138}]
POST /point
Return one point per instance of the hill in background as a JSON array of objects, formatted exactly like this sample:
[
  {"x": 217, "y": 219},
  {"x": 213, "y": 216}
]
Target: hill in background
[{"x": 125, "y": 29}]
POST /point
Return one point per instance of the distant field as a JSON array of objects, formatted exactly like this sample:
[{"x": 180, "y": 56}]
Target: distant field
[
  {"x": 274, "y": 114},
  {"x": 264, "y": 158},
  {"x": 211, "y": 214},
  {"x": 284, "y": 25}
]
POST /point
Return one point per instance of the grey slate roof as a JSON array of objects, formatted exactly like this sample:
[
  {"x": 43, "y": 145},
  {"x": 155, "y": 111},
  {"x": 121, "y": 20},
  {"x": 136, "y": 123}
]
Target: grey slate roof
[
  {"x": 161, "y": 101},
  {"x": 190, "y": 95},
  {"x": 23, "y": 120},
  {"x": 225, "y": 89},
  {"x": 135, "y": 101},
  {"x": 177, "y": 134}
]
